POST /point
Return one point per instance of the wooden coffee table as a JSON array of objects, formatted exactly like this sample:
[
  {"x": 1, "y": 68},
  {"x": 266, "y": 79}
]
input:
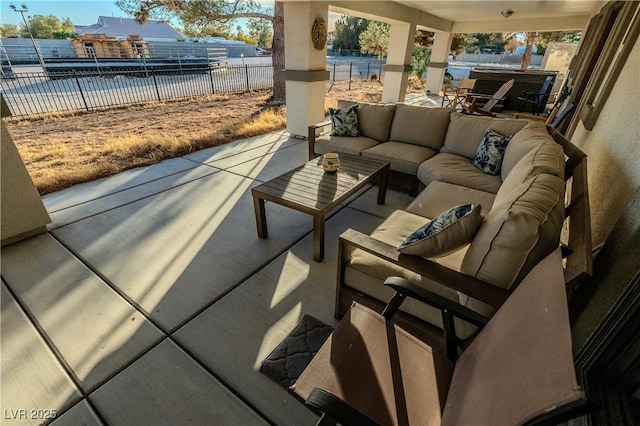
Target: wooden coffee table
[{"x": 310, "y": 190}]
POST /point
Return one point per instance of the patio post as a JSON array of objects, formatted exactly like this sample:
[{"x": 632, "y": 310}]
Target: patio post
[
  {"x": 305, "y": 71},
  {"x": 398, "y": 67},
  {"x": 438, "y": 64}
]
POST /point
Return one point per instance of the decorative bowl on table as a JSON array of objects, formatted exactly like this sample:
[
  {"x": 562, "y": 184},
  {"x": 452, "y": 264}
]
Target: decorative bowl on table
[{"x": 330, "y": 162}]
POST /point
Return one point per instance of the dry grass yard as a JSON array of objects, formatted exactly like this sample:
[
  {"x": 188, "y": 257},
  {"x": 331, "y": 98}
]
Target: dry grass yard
[{"x": 61, "y": 151}]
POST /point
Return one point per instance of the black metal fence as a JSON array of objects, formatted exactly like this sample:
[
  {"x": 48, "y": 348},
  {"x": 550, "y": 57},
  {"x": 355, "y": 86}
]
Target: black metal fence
[{"x": 38, "y": 94}]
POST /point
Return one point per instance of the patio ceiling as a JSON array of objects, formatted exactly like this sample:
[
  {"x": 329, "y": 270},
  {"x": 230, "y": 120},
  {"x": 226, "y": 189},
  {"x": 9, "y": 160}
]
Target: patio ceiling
[{"x": 460, "y": 16}]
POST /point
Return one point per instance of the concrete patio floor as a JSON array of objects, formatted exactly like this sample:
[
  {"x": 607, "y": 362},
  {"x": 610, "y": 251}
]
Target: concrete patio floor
[{"x": 152, "y": 301}]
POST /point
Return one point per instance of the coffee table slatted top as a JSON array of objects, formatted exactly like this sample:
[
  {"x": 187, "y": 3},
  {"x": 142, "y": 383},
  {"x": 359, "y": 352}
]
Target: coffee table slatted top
[{"x": 312, "y": 189}]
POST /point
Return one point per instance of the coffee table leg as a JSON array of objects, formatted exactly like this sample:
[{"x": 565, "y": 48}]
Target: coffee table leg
[
  {"x": 318, "y": 238},
  {"x": 382, "y": 185},
  {"x": 261, "y": 217}
]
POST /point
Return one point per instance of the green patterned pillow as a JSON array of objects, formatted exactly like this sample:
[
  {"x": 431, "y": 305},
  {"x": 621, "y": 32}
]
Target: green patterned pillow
[
  {"x": 445, "y": 233},
  {"x": 344, "y": 121}
]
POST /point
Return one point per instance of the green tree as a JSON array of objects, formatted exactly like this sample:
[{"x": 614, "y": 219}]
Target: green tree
[
  {"x": 49, "y": 27},
  {"x": 347, "y": 32},
  {"x": 9, "y": 30},
  {"x": 241, "y": 36},
  {"x": 420, "y": 60},
  {"x": 201, "y": 13},
  {"x": 375, "y": 39},
  {"x": 213, "y": 29},
  {"x": 260, "y": 30}
]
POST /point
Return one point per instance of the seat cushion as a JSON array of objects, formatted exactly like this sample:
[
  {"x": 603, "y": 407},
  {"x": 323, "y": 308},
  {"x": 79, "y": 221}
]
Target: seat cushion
[
  {"x": 521, "y": 229},
  {"x": 440, "y": 196},
  {"x": 366, "y": 273},
  {"x": 342, "y": 144},
  {"x": 361, "y": 345},
  {"x": 374, "y": 120},
  {"x": 458, "y": 170},
  {"x": 420, "y": 125},
  {"x": 445, "y": 233},
  {"x": 465, "y": 132},
  {"x": 404, "y": 157}
]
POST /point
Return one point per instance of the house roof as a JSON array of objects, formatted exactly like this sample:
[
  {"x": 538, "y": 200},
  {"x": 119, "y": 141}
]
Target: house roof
[{"x": 123, "y": 27}]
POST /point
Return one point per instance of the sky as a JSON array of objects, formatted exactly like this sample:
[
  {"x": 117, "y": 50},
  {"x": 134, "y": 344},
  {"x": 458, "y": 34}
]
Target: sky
[{"x": 80, "y": 12}]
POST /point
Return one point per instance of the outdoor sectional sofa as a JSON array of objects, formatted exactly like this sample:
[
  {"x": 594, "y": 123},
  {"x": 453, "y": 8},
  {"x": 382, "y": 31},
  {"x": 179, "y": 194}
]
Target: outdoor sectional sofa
[{"x": 538, "y": 196}]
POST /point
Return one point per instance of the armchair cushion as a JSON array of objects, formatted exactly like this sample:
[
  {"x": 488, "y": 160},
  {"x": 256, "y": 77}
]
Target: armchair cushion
[
  {"x": 489, "y": 155},
  {"x": 445, "y": 233},
  {"x": 344, "y": 121}
]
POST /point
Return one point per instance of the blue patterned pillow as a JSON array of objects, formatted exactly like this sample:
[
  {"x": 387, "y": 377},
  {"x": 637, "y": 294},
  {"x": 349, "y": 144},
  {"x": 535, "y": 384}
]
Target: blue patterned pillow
[
  {"x": 490, "y": 152},
  {"x": 445, "y": 233},
  {"x": 344, "y": 121}
]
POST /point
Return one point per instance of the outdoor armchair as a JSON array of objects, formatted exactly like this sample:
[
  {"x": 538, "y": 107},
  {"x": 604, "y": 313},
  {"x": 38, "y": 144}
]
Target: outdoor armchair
[{"x": 518, "y": 370}]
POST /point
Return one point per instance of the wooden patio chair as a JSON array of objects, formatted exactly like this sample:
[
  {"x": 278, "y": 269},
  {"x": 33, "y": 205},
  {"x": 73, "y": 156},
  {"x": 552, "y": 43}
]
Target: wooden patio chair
[
  {"x": 471, "y": 104},
  {"x": 518, "y": 370}
]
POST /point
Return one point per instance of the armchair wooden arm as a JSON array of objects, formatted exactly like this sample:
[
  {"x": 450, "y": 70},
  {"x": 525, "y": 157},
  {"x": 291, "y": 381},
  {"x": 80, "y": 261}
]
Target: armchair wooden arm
[
  {"x": 313, "y": 134},
  {"x": 478, "y": 289}
]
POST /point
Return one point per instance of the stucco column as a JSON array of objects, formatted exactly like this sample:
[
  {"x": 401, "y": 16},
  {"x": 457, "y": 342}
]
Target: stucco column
[
  {"x": 398, "y": 67},
  {"x": 23, "y": 213},
  {"x": 438, "y": 64},
  {"x": 305, "y": 66}
]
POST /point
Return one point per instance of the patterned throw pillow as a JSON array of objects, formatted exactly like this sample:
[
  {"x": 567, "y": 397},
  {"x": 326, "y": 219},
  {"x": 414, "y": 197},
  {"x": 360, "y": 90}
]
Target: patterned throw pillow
[
  {"x": 490, "y": 152},
  {"x": 344, "y": 121},
  {"x": 445, "y": 233}
]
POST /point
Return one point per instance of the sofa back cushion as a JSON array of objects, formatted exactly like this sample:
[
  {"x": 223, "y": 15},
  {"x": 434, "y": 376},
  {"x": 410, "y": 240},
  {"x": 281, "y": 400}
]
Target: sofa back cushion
[
  {"x": 522, "y": 228},
  {"x": 420, "y": 125},
  {"x": 529, "y": 138},
  {"x": 374, "y": 120},
  {"x": 465, "y": 132},
  {"x": 546, "y": 157}
]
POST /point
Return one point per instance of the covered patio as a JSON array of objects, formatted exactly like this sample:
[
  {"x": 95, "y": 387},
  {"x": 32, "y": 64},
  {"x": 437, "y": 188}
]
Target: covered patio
[{"x": 149, "y": 299}]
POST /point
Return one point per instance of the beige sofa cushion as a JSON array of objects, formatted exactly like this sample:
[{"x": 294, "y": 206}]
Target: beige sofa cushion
[
  {"x": 346, "y": 145},
  {"x": 530, "y": 138},
  {"x": 522, "y": 228},
  {"x": 440, "y": 196},
  {"x": 374, "y": 120},
  {"x": 458, "y": 170},
  {"x": 366, "y": 273},
  {"x": 420, "y": 125},
  {"x": 445, "y": 233},
  {"x": 547, "y": 157},
  {"x": 404, "y": 157},
  {"x": 465, "y": 132}
]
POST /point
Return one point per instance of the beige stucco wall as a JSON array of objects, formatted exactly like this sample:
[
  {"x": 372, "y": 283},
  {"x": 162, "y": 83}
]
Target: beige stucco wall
[
  {"x": 22, "y": 213},
  {"x": 613, "y": 147}
]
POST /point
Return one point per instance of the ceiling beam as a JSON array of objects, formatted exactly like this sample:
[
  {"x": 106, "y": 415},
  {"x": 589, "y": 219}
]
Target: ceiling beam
[
  {"x": 560, "y": 23},
  {"x": 385, "y": 11}
]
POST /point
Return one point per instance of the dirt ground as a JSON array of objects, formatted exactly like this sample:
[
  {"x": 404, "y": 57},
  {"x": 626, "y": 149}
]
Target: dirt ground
[{"x": 60, "y": 151}]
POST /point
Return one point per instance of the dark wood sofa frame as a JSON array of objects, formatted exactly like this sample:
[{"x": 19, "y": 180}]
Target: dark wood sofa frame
[{"x": 576, "y": 248}]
